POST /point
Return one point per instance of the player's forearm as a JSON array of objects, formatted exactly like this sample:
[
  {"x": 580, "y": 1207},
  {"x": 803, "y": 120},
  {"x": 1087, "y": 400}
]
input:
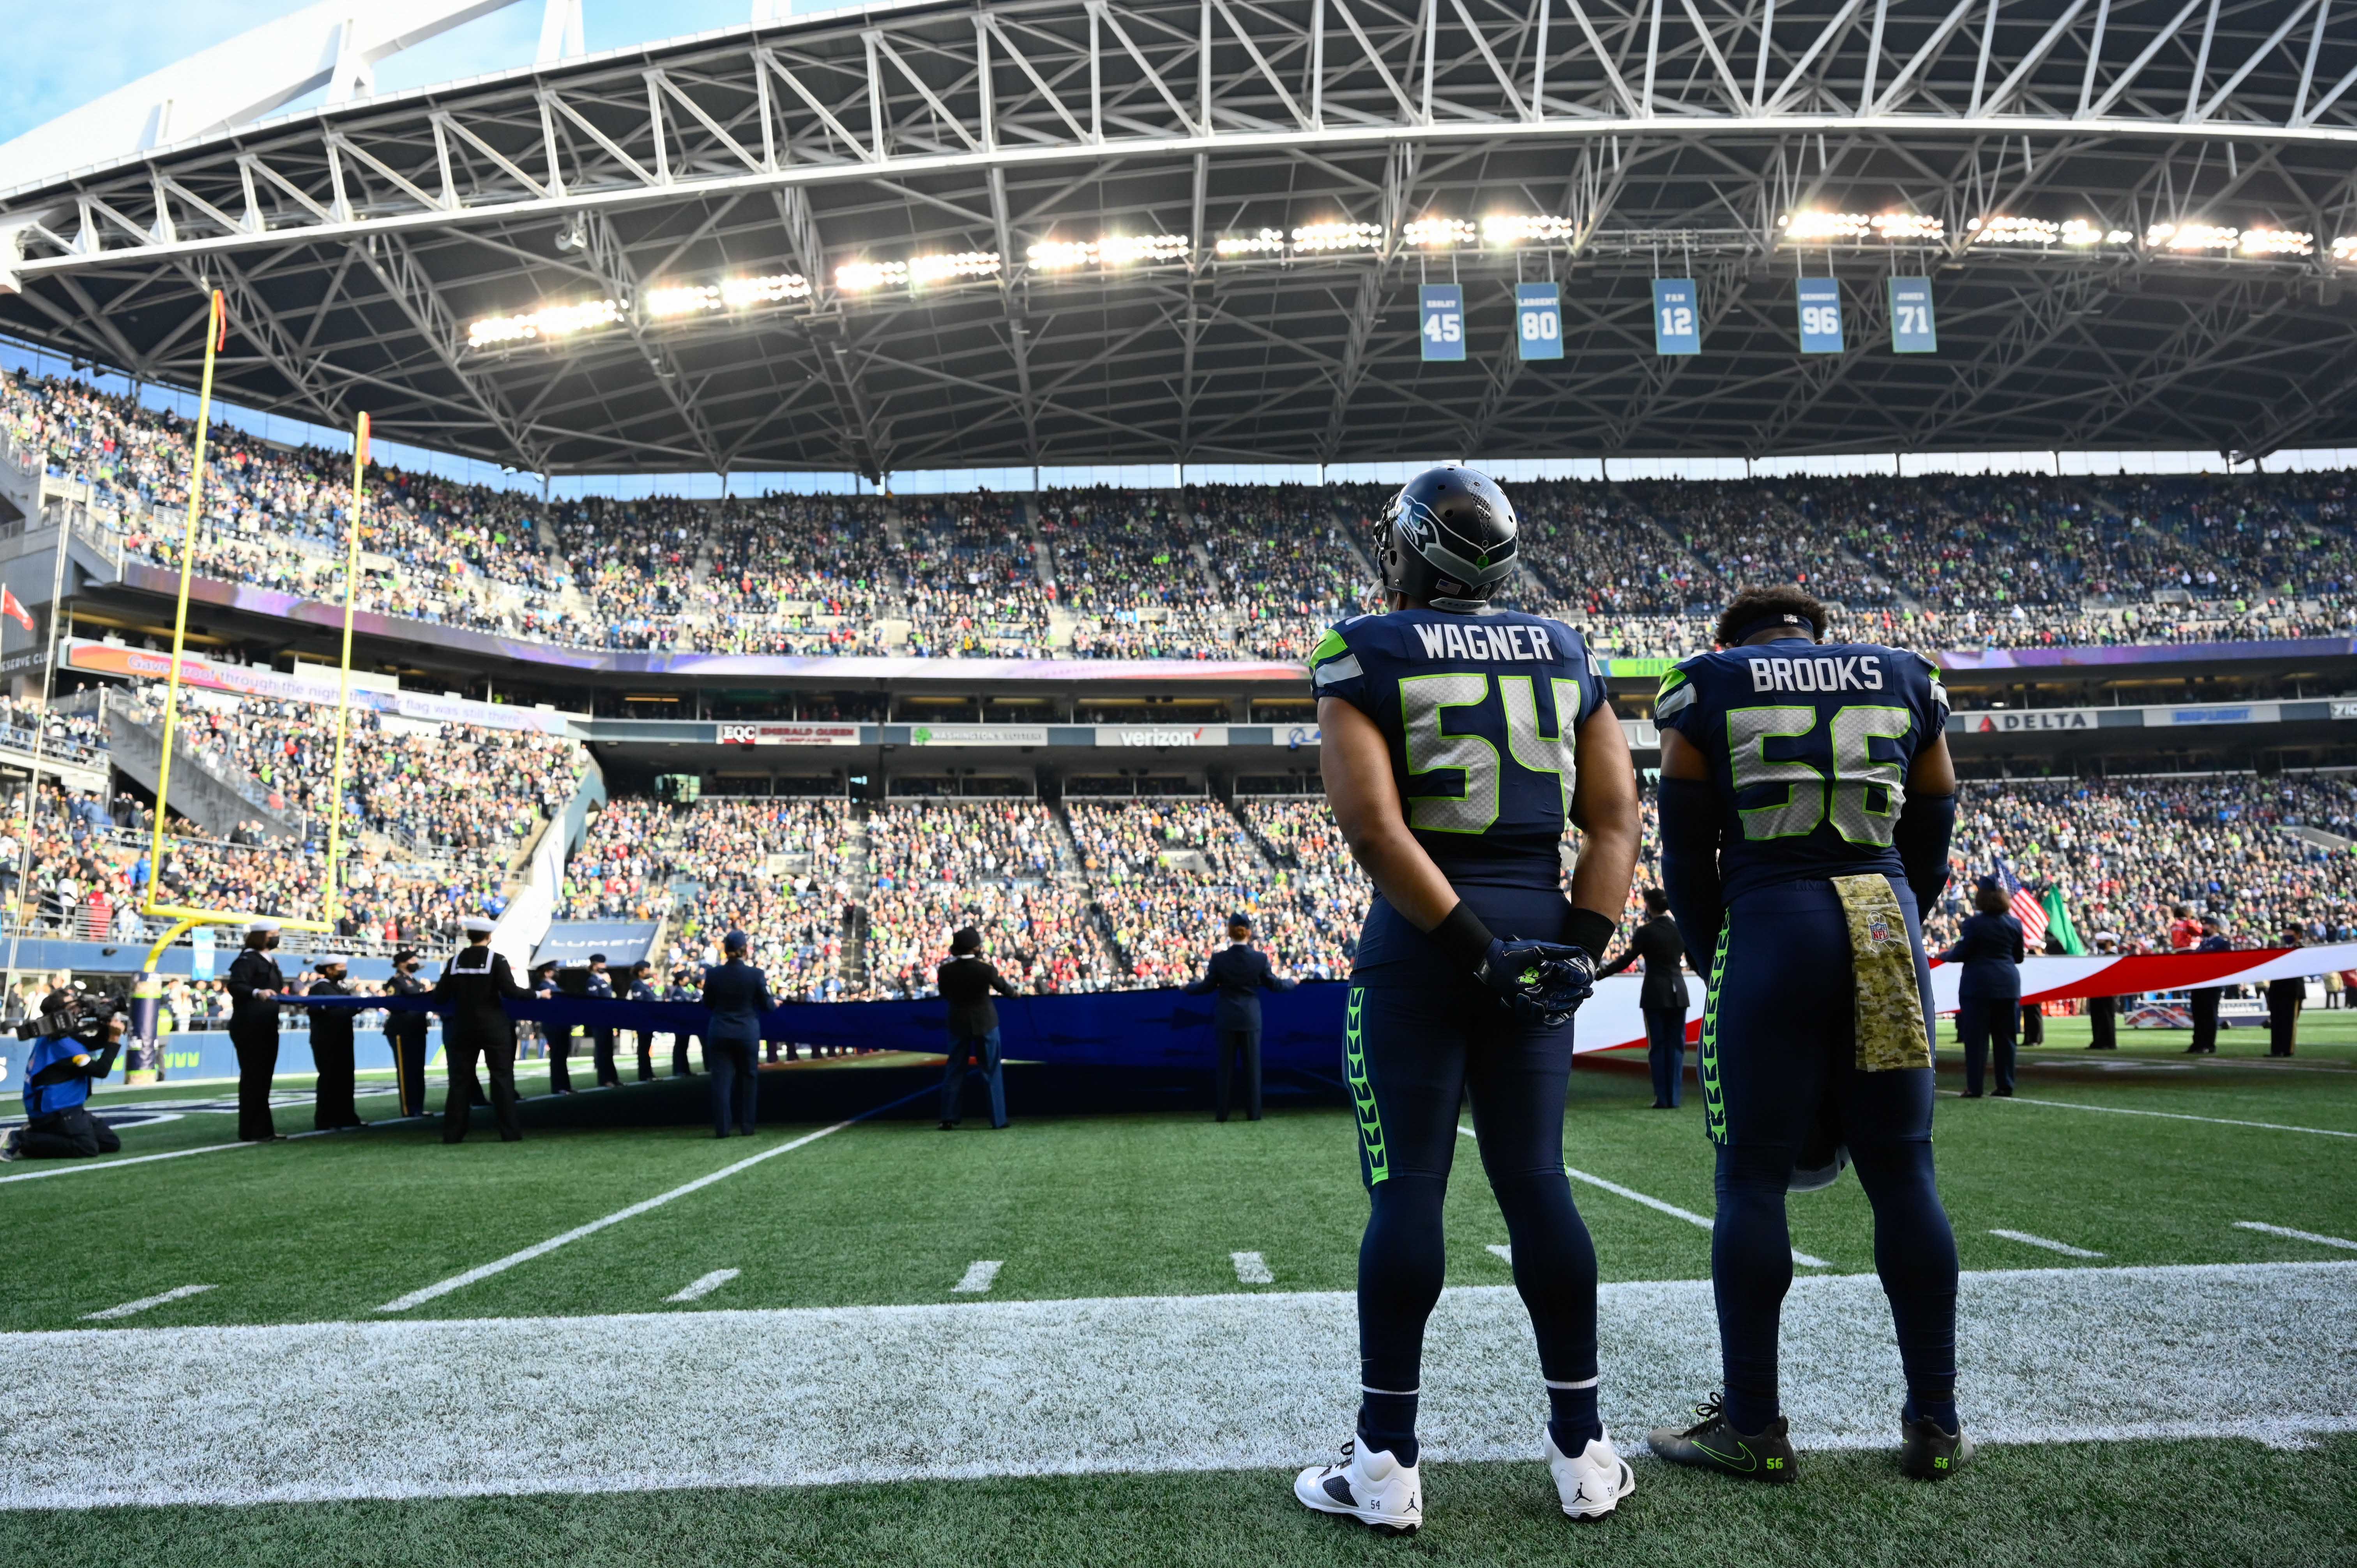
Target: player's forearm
[{"x": 1607, "y": 864}]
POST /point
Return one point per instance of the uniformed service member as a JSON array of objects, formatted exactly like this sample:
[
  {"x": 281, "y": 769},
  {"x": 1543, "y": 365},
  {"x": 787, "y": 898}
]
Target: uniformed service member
[
  {"x": 683, "y": 988},
  {"x": 601, "y": 1036},
  {"x": 475, "y": 1025},
  {"x": 640, "y": 987},
  {"x": 255, "y": 983},
  {"x": 405, "y": 1033},
  {"x": 333, "y": 1105},
  {"x": 2103, "y": 1012}
]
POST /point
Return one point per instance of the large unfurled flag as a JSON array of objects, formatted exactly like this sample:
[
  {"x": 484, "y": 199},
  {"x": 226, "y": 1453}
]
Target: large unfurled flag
[
  {"x": 13, "y": 609},
  {"x": 2025, "y": 907},
  {"x": 2059, "y": 926}
]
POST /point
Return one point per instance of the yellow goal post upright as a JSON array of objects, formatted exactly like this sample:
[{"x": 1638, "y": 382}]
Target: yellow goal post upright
[{"x": 144, "y": 1056}]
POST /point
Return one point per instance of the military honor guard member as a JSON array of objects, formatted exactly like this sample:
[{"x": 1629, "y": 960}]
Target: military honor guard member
[
  {"x": 476, "y": 1026},
  {"x": 333, "y": 1103},
  {"x": 405, "y": 1033},
  {"x": 1238, "y": 972},
  {"x": 255, "y": 984}
]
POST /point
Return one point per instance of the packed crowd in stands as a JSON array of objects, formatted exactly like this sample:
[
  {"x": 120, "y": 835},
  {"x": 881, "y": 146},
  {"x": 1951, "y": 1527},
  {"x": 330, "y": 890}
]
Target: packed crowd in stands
[
  {"x": 446, "y": 789},
  {"x": 936, "y": 865},
  {"x": 1220, "y": 571}
]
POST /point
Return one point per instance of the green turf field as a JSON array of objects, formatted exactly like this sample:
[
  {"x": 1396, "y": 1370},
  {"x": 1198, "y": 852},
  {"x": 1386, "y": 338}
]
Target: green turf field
[{"x": 2182, "y": 1393}]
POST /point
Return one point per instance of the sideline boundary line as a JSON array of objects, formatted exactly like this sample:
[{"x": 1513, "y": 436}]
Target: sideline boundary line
[
  {"x": 2179, "y": 1116},
  {"x": 424, "y": 1294},
  {"x": 1671, "y": 1209}
]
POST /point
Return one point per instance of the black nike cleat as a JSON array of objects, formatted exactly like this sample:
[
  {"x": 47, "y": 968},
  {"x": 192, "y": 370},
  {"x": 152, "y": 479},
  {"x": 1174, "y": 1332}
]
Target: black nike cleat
[
  {"x": 1712, "y": 1444},
  {"x": 1932, "y": 1454}
]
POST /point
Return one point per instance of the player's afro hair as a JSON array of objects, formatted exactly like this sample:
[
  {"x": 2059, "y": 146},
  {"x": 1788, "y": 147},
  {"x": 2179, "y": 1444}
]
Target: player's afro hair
[{"x": 1754, "y": 606}]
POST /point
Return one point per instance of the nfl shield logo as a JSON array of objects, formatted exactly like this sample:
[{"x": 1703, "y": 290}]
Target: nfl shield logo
[{"x": 1877, "y": 930}]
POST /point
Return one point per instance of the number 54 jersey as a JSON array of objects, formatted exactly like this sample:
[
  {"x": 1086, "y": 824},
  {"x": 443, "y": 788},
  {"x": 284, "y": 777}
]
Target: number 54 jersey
[
  {"x": 1482, "y": 715},
  {"x": 1809, "y": 746}
]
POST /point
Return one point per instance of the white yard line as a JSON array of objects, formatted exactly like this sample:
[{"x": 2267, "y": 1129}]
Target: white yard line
[
  {"x": 1671, "y": 1209},
  {"x": 1252, "y": 1269},
  {"x": 2296, "y": 1235},
  {"x": 82, "y": 1168},
  {"x": 2027, "y": 1240},
  {"x": 703, "y": 1286},
  {"x": 145, "y": 1302},
  {"x": 978, "y": 1277},
  {"x": 541, "y": 1248},
  {"x": 1502, "y": 1252},
  {"x": 2175, "y": 1116},
  {"x": 1236, "y": 1380}
]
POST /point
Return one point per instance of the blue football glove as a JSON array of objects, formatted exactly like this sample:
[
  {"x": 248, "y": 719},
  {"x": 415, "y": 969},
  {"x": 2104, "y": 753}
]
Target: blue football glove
[{"x": 1537, "y": 983}]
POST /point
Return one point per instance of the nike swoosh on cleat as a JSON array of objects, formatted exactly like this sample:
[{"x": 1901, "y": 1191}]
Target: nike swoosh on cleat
[{"x": 1750, "y": 1461}]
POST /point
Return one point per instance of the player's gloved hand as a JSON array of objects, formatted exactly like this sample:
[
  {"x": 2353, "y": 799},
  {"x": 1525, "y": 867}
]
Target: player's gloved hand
[{"x": 1538, "y": 982}]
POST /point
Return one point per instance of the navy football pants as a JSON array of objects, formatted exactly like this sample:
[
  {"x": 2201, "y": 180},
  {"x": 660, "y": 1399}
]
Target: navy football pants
[
  {"x": 1779, "y": 1043},
  {"x": 1411, "y": 1054}
]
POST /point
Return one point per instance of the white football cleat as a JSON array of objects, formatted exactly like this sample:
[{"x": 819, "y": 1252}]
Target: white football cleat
[
  {"x": 1592, "y": 1483},
  {"x": 1373, "y": 1487}
]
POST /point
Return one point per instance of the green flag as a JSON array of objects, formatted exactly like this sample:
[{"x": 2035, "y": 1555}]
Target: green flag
[{"x": 2057, "y": 923}]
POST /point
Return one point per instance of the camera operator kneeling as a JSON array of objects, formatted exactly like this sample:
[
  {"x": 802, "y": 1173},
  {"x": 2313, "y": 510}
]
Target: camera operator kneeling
[{"x": 74, "y": 1045}]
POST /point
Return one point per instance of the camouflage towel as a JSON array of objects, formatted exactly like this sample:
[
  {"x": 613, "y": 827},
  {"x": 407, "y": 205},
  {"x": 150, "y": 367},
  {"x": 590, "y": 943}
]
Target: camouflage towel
[{"x": 1891, "y": 1031}]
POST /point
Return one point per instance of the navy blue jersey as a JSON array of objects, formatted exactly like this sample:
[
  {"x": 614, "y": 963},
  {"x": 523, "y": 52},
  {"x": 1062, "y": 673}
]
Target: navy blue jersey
[
  {"x": 1481, "y": 713},
  {"x": 1809, "y": 746}
]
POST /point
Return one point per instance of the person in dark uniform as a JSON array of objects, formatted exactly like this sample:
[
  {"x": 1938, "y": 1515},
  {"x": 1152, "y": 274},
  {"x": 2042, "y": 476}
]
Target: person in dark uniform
[
  {"x": 333, "y": 1105},
  {"x": 1807, "y": 803},
  {"x": 1663, "y": 1000},
  {"x": 1988, "y": 996},
  {"x": 255, "y": 984},
  {"x": 2205, "y": 1001},
  {"x": 475, "y": 1025},
  {"x": 682, "y": 989},
  {"x": 601, "y": 1036},
  {"x": 965, "y": 982},
  {"x": 560, "y": 981},
  {"x": 1239, "y": 972},
  {"x": 738, "y": 995},
  {"x": 405, "y": 1033},
  {"x": 638, "y": 988},
  {"x": 2103, "y": 1012},
  {"x": 1463, "y": 743},
  {"x": 2286, "y": 997}
]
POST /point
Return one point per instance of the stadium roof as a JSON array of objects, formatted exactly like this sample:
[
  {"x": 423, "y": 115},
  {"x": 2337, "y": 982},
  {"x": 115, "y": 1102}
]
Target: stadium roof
[{"x": 1053, "y": 232}]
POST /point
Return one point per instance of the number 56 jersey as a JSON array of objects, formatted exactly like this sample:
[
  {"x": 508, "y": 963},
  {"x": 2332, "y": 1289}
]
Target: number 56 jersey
[
  {"x": 1481, "y": 714},
  {"x": 1809, "y": 746}
]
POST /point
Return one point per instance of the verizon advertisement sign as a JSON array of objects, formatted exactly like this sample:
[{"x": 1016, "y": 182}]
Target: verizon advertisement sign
[
  {"x": 789, "y": 735},
  {"x": 1162, "y": 734}
]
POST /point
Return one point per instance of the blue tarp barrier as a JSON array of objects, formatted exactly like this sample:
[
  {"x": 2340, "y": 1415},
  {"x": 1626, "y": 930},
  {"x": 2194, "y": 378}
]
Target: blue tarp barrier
[{"x": 1300, "y": 1029}]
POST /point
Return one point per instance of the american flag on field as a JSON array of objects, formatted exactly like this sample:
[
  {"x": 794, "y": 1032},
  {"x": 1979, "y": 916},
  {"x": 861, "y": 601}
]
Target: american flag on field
[{"x": 2025, "y": 907}]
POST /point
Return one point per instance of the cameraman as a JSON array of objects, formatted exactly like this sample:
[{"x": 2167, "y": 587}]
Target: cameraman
[{"x": 74, "y": 1045}]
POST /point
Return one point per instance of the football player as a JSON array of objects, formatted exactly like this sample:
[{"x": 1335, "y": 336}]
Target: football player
[
  {"x": 1460, "y": 743},
  {"x": 1807, "y": 801}
]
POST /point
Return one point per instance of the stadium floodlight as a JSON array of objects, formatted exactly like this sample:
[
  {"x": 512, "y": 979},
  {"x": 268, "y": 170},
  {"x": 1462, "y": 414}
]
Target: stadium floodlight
[
  {"x": 1264, "y": 242},
  {"x": 2191, "y": 236},
  {"x": 1315, "y": 238},
  {"x": 2079, "y": 232},
  {"x": 2008, "y": 231},
  {"x": 771, "y": 288},
  {"x": 683, "y": 299},
  {"x": 1128, "y": 250},
  {"x": 548, "y": 321},
  {"x": 1806, "y": 228},
  {"x": 1511, "y": 229},
  {"x": 2276, "y": 242},
  {"x": 2344, "y": 248},
  {"x": 1061, "y": 255},
  {"x": 926, "y": 270},
  {"x": 1909, "y": 226},
  {"x": 861, "y": 277},
  {"x": 1436, "y": 233},
  {"x": 1111, "y": 250}
]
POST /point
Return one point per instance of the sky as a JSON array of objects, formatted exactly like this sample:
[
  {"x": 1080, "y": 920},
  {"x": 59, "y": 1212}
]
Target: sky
[{"x": 60, "y": 55}]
